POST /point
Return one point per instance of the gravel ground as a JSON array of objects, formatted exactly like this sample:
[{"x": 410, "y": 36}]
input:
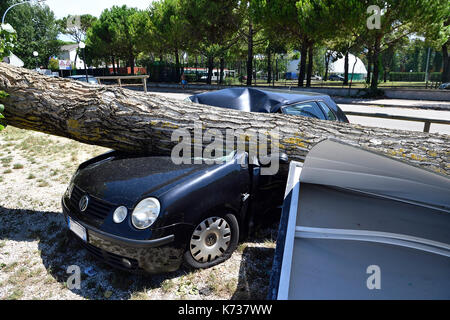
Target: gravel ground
[{"x": 35, "y": 250}]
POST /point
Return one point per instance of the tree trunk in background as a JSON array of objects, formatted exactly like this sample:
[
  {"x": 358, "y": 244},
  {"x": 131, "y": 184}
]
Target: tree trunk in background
[
  {"x": 114, "y": 65},
  {"x": 177, "y": 66},
  {"x": 222, "y": 67},
  {"x": 376, "y": 64},
  {"x": 446, "y": 63},
  {"x": 210, "y": 69},
  {"x": 369, "y": 66},
  {"x": 346, "y": 68},
  {"x": 133, "y": 121},
  {"x": 269, "y": 67},
  {"x": 132, "y": 64},
  {"x": 250, "y": 55},
  {"x": 310, "y": 65},
  {"x": 302, "y": 71},
  {"x": 327, "y": 65}
]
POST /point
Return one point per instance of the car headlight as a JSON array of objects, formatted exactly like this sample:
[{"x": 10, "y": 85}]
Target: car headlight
[
  {"x": 120, "y": 214},
  {"x": 70, "y": 189},
  {"x": 145, "y": 213}
]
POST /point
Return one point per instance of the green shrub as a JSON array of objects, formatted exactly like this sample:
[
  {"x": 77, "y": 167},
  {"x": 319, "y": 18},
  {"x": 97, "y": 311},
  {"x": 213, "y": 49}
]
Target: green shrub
[{"x": 414, "y": 76}]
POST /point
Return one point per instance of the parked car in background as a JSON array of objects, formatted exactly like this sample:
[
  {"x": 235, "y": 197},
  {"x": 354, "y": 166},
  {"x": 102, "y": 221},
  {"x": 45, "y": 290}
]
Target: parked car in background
[
  {"x": 316, "y": 77},
  {"x": 445, "y": 86},
  {"x": 48, "y": 72},
  {"x": 138, "y": 212},
  {"x": 80, "y": 77},
  {"x": 336, "y": 77}
]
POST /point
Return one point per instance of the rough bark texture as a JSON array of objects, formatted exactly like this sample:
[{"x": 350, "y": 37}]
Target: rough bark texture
[
  {"x": 250, "y": 55},
  {"x": 302, "y": 70},
  {"x": 137, "y": 122},
  {"x": 346, "y": 68},
  {"x": 310, "y": 65}
]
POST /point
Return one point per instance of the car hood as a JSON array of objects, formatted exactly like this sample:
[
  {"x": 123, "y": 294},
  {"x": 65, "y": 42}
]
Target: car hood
[{"x": 125, "y": 180}]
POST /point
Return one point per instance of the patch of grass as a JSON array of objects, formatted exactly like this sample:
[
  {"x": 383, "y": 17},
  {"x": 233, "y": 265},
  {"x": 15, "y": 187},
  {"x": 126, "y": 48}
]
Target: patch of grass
[
  {"x": 6, "y": 161},
  {"x": 140, "y": 295},
  {"x": 42, "y": 183},
  {"x": 10, "y": 266},
  {"x": 16, "y": 294},
  {"x": 7, "y": 171},
  {"x": 167, "y": 285},
  {"x": 31, "y": 176},
  {"x": 17, "y": 166}
]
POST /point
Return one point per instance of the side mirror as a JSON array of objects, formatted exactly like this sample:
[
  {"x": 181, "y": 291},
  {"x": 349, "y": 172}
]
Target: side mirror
[{"x": 266, "y": 161}]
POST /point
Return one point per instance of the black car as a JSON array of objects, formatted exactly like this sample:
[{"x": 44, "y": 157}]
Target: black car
[
  {"x": 336, "y": 77},
  {"x": 146, "y": 213},
  {"x": 445, "y": 86}
]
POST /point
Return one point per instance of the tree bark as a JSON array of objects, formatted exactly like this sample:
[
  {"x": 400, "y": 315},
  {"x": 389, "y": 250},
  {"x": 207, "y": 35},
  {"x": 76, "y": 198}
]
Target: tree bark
[
  {"x": 369, "y": 66},
  {"x": 302, "y": 71},
  {"x": 346, "y": 65},
  {"x": 446, "y": 63},
  {"x": 210, "y": 70},
  {"x": 177, "y": 66},
  {"x": 132, "y": 64},
  {"x": 269, "y": 66},
  {"x": 250, "y": 55},
  {"x": 222, "y": 68},
  {"x": 310, "y": 65},
  {"x": 376, "y": 65},
  {"x": 136, "y": 122},
  {"x": 327, "y": 65}
]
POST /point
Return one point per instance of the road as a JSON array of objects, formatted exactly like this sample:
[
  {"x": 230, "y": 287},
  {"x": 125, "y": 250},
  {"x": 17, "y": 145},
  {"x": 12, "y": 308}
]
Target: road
[{"x": 369, "y": 121}]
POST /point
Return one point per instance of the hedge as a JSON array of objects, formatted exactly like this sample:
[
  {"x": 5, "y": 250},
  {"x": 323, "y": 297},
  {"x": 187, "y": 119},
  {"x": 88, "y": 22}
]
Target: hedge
[{"x": 414, "y": 76}]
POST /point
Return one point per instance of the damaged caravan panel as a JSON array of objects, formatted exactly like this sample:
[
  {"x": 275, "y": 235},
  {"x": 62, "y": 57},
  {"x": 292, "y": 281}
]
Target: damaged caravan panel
[{"x": 359, "y": 225}]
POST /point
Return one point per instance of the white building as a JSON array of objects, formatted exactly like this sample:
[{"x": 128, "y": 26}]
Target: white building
[
  {"x": 336, "y": 67},
  {"x": 67, "y": 57},
  {"x": 13, "y": 60}
]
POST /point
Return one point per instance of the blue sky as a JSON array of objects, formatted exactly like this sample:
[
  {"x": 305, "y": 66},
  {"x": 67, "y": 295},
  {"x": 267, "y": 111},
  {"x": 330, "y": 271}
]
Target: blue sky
[{"x": 62, "y": 8}]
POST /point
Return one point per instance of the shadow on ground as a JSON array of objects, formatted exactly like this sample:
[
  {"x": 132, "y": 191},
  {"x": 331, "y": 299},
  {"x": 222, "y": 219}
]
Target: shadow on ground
[
  {"x": 58, "y": 250},
  {"x": 254, "y": 278}
]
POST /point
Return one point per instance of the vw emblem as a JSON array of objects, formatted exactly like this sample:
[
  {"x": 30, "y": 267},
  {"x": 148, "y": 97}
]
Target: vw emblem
[{"x": 84, "y": 202}]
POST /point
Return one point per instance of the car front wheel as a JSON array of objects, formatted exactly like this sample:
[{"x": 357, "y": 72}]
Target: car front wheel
[{"x": 212, "y": 242}]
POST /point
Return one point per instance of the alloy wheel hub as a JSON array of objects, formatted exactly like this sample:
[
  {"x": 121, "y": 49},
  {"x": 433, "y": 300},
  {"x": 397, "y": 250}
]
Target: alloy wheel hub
[{"x": 210, "y": 239}]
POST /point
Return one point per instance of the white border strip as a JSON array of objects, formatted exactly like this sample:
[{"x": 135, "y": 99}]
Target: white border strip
[
  {"x": 375, "y": 236},
  {"x": 286, "y": 265}
]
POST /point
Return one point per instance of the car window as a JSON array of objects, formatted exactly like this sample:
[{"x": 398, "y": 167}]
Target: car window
[
  {"x": 306, "y": 109},
  {"x": 328, "y": 112}
]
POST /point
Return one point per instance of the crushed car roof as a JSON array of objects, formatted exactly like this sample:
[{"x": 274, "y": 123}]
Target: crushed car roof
[{"x": 252, "y": 99}]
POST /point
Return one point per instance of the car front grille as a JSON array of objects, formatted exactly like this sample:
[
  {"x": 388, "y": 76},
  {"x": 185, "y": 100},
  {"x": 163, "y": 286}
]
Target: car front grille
[{"x": 96, "y": 209}]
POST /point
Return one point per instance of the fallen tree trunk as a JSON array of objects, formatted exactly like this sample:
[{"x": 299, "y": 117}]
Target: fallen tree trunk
[{"x": 133, "y": 121}]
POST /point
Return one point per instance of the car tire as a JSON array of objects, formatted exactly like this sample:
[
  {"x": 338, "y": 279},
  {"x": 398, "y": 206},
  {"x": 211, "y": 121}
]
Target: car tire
[{"x": 212, "y": 242}]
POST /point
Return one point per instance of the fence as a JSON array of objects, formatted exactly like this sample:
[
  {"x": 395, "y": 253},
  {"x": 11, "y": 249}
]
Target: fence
[
  {"x": 414, "y": 76},
  {"x": 104, "y": 72},
  {"x": 427, "y": 122}
]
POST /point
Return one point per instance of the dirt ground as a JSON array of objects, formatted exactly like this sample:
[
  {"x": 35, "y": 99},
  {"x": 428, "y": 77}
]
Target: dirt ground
[{"x": 35, "y": 251}]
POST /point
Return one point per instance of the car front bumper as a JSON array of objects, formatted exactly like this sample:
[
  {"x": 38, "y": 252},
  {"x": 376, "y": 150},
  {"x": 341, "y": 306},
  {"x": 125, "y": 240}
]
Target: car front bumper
[{"x": 153, "y": 256}]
